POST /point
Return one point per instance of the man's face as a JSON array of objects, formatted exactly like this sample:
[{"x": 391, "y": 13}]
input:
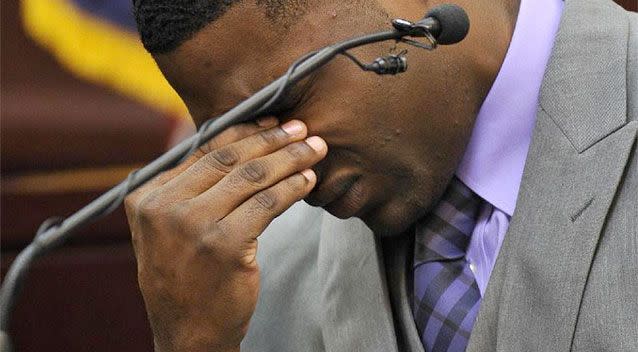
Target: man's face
[{"x": 394, "y": 141}]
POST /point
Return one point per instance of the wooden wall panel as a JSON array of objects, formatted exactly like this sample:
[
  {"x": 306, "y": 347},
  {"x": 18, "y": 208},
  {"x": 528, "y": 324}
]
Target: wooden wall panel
[{"x": 631, "y": 5}]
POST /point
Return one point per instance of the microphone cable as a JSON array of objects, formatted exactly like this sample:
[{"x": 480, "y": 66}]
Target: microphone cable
[{"x": 445, "y": 24}]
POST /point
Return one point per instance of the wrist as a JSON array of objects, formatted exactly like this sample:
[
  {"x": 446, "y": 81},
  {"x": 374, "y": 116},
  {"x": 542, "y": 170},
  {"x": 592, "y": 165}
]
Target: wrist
[
  {"x": 206, "y": 343},
  {"x": 208, "y": 348}
]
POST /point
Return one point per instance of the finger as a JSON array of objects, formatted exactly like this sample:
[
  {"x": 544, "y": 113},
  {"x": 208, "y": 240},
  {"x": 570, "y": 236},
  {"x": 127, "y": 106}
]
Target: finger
[
  {"x": 236, "y": 133},
  {"x": 255, "y": 214},
  {"x": 212, "y": 167},
  {"x": 257, "y": 175},
  {"x": 228, "y": 136}
]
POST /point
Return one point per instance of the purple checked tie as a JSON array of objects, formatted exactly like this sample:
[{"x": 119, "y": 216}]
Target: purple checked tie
[{"x": 445, "y": 291}]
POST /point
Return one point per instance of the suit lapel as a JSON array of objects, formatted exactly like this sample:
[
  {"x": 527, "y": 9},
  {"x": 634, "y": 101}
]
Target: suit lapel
[
  {"x": 398, "y": 254},
  {"x": 356, "y": 309},
  {"x": 578, "y": 155}
]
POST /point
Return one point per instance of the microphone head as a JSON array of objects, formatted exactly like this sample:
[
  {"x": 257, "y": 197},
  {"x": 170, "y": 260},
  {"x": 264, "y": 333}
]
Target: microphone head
[{"x": 453, "y": 23}]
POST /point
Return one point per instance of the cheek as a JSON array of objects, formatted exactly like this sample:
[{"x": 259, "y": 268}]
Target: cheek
[
  {"x": 343, "y": 125},
  {"x": 347, "y": 105}
]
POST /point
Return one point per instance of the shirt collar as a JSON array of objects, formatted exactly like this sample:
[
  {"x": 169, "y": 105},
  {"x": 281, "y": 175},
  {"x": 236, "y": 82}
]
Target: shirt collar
[{"x": 495, "y": 156}]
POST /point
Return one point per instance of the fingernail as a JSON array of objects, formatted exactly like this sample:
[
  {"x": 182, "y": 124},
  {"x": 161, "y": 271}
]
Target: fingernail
[
  {"x": 316, "y": 143},
  {"x": 293, "y": 127},
  {"x": 309, "y": 175},
  {"x": 267, "y": 121}
]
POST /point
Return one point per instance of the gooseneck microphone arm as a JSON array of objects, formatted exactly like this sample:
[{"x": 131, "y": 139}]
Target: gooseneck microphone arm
[{"x": 442, "y": 22}]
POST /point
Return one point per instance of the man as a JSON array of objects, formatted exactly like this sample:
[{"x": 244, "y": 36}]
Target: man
[{"x": 431, "y": 161}]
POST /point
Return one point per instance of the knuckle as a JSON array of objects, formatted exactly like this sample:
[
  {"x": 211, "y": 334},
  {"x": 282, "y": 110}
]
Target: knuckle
[
  {"x": 183, "y": 220},
  {"x": 222, "y": 160},
  {"x": 148, "y": 216},
  {"x": 208, "y": 147},
  {"x": 297, "y": 184},
  {"x": 266, "y": 200},
  {"x": 211, "y": 243},
  {"x": 216, "y": 246},
  {"x": 225, "y": 156},
  {"x": 242, "y": 130},
  {"x": 271, "y": 136},
  {"x": 178, "y": 217},
  {"x": 130, "y": 205},
  {"x": 247, "y": 129},
  {"x": 228, "y": 136},
  {"x": 149, "y": 207},
  {"x": 297, "y": 150},
  {"x": 233, "y": 132},
  {"x": 254, "y": 172}
]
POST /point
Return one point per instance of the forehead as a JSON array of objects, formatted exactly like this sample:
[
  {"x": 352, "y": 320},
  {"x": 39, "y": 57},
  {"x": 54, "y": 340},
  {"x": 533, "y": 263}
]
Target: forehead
[
  {"x": 215, "y": 57},
  {"x": 240, "y": 52}
]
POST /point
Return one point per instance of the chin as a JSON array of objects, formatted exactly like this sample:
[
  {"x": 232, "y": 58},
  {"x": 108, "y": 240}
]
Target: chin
[
  {"x": 384, "y": 221},
  {"x": 388, "y": 213},
  {"x": 392, "y": 220},
  {"x": 386, "y": 229}
]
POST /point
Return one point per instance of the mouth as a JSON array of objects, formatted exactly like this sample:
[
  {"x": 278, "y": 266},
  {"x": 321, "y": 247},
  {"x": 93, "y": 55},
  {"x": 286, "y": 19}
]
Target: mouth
[{"x": 342, "y": 195}]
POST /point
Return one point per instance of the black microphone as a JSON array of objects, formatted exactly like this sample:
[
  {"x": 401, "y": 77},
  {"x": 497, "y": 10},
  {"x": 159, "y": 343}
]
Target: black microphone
[{"x": 447, "y": 24}]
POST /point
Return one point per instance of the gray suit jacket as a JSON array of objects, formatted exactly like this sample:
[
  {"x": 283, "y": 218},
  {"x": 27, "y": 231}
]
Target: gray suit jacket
[{"x": 566, "y": 277}]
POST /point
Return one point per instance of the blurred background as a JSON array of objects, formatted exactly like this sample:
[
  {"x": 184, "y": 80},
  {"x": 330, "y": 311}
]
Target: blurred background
[{"x": 82, "y": 104}]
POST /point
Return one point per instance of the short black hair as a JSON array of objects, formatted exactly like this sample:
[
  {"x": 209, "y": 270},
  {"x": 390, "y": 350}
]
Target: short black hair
[{"x": 165, "y": 24}]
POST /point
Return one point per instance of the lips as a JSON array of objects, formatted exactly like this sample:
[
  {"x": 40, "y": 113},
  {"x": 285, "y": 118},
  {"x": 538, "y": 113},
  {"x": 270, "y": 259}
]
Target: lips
[
  {"x": 341, "y": 195},
  {"x": 330, "y": 186}
]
